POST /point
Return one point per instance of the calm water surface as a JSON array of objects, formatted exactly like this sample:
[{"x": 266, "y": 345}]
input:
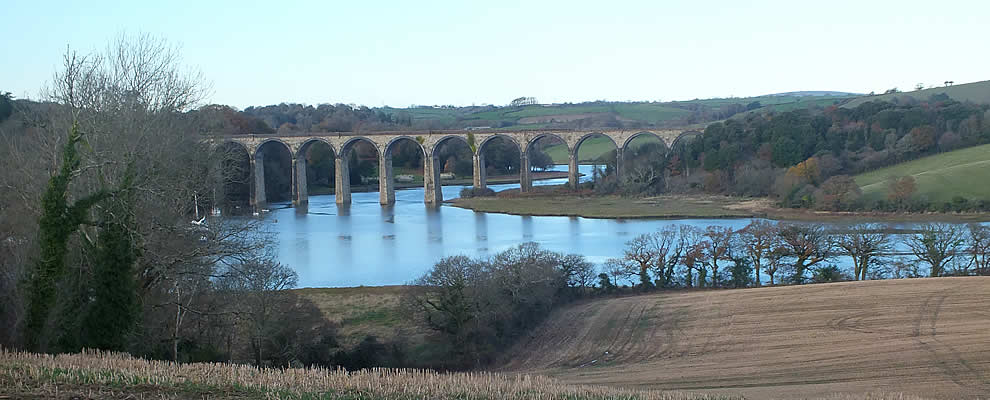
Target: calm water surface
[{"x": 367, "y": 244}]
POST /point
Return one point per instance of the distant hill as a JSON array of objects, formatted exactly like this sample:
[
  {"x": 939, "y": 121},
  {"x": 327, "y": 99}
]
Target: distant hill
[
  {"x": 697, "y": 112},
  {"x": 976, "y": 92},
  {"x": 939, "y": 178},
  {"x": 815, "y": 93}
]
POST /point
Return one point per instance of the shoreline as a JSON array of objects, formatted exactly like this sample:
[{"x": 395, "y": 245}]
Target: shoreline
[{"x": 565, "y": 203}]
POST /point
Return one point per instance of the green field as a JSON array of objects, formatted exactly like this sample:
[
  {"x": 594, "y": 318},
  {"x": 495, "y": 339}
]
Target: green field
[
  {"x": 976, "y": 92},
  {"x": 939, "y": 178},
  {"x": 653, "y": 113}
]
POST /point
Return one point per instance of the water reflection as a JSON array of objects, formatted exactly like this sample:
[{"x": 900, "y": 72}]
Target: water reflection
[{"x": 367, "y": 244}]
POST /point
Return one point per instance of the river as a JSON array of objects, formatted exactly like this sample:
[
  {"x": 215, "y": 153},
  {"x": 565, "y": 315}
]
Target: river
[{"x": 371, "y": 245}]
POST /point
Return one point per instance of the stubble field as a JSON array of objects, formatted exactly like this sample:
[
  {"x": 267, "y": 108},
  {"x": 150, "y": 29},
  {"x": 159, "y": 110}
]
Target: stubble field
[{"x": 921, "y": 337}]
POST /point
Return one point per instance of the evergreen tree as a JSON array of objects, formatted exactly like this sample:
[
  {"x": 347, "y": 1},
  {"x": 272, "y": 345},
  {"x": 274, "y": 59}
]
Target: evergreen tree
[
  {"x": 58, "y": 221},
  {"x": 114, "y": 309}
]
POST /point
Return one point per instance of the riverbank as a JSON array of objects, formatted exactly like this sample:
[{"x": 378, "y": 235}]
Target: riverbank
[
  {"x": 418, "y": 183},
  {"x": 558, "y": 201}
]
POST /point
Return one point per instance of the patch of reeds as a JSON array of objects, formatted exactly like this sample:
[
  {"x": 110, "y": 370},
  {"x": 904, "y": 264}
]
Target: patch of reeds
[
  {"x": 107, "y": 373},
  {"x": 22, "y": 372}
]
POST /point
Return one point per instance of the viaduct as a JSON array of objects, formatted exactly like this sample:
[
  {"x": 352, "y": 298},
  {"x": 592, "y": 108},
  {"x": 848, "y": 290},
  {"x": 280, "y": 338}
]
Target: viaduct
[{"x": 342, "y": 143}]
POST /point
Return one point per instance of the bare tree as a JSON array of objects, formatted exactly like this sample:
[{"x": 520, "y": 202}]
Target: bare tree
[
  {"x": 130, "y": 102},
  {"x": 979, "y": 248},
  {"x": 719, "y": 248},
  {"x": 865, "y": 244},
  {"x": 774, "y": 260},
  {"x": 670, "y": 245},
  {"x": 643, "y": 252},
  {"x": 695, "y": 258},
  {"x": 577, "y": 271},
  {"x": 936, "y": 244},
  {"x": 758, "y": 240},
  {"x": 620, "y": 269},
  {"x": 807, "y": 245},
  {"x": 259, "y": 288}
]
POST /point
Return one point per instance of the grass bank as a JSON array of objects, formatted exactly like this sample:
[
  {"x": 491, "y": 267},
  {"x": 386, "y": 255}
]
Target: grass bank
[
  {"x": 557, "y": 201},
  {"x": 366, "y": 310},
  {"x": 939, "y": 178}
]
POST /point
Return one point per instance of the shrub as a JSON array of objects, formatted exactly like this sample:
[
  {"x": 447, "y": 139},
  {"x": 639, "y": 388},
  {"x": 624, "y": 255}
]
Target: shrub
[{"x": 828, "y": 273}]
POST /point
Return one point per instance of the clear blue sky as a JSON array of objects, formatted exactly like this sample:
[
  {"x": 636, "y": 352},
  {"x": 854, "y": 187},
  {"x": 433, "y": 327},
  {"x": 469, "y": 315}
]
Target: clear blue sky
[{"x": 466, "y": 52}]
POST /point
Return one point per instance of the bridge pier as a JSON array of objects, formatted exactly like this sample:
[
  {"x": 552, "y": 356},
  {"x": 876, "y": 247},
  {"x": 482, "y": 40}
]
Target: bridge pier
[
  {"x": 572, "y": 170},
  {"x": 258, "y": 170},
  {"x": 342, "y": 179},
  {"x": 480, "y": 178},
  {"x": 386, "y": 180},
  {"x": 432, "y": 188},
  {"x": 619, "y": 168},
  {"x": 525, "y": 178},
  {"x": 301, "y": 185}
]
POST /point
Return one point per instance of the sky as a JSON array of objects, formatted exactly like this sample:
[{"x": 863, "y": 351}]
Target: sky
[{"x": 401, "y": 53}]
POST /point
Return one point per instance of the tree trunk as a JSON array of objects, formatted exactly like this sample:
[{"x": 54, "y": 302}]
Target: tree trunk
[
  {"x": 175, "y": 333},
  {"x": 756, "y": 271}
]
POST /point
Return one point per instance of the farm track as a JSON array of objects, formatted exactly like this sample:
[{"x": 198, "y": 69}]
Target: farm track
[{"x": 924, "y": 337}]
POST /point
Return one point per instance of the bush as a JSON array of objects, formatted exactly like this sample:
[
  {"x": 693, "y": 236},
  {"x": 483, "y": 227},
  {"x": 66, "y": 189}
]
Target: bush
[
  {"x": 371, "y": 353},
  {"x": 482, "y": 305},
  {"x": 960, "y": 204},
  {"x": 741, "y": 273},
  {"x": 828, "y": 273},
  {"x": 472, "y": 191}
]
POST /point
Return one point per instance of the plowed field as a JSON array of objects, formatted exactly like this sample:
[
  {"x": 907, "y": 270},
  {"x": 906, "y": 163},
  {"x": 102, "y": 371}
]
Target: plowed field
[{"x": 923, "y": 337}]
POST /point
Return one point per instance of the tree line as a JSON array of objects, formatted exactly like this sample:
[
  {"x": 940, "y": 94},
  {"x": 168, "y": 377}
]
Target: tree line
[{"x": 795, "y": 253}]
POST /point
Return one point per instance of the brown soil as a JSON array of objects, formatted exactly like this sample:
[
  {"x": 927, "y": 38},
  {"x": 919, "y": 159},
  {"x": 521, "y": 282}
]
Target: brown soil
[{"x": 925, "y": 337}]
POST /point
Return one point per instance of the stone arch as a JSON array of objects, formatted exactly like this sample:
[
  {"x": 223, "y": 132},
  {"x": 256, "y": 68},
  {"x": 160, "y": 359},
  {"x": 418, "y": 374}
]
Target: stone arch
[
  {"x": 271, "y": 184},
  {"x": 577, "y": 144},
  {"x": 436, "y": 146},
  {"x": 536, "y": 138},
  {"x": 265, "y": 142},
  {"x": 684, "y": 136},
  {"x": 625, "y": 145},
  {"x": 346, "y": 147},
  {"x": 388, "y": 146},
  {"x": 485, "y": 141},
  {"x": 301, "y": 185},
  {"x": 235, "y": 143},
  {"x": 233, "y": 169},
  {"x": 309, "y": 142}
]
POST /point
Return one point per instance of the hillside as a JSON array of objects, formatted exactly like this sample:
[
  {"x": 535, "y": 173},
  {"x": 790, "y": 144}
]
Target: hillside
[
  {"x": 925, "y": 337},
  {"x": 976, "y": 92},
  {"x": 939, "y": 178},
  {"x": 601, "y": 113}
]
